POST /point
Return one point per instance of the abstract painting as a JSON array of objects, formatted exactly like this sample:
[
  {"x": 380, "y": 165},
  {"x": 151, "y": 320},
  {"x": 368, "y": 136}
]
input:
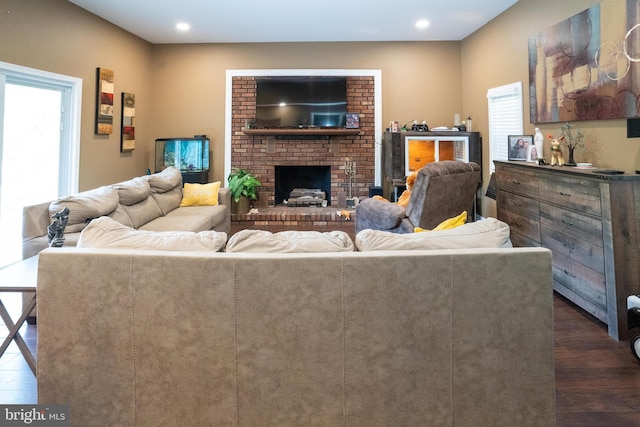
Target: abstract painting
[{"x": 587, "y": 67}]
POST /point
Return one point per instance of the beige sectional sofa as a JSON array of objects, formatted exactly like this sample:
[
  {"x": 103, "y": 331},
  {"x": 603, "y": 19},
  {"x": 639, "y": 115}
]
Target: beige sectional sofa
[
  {"x": 149, "y": 202},
  {"x": 455, "y": 337}
]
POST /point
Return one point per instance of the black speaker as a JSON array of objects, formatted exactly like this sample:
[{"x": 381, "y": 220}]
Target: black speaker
[
  {"x": 491, "y": 188},
  {"x": 633, "y": 128},
  {"x": 375, "y": 190}
]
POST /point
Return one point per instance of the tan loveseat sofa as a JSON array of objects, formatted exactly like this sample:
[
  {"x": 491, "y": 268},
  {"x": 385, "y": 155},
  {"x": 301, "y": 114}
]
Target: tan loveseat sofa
[
  {"x": 458, "y": 337},
  {"x": 149, "y": 202}
]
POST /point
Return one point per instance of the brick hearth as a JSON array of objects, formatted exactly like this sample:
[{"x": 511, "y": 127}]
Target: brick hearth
[{"x": 281, "y": 218}]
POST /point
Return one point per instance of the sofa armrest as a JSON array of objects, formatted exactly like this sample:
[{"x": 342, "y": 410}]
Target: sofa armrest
[
  {"x": 224, "y": 197},
  {"x": 35, "y": 220},
  {"x": 378, "y": 215}
]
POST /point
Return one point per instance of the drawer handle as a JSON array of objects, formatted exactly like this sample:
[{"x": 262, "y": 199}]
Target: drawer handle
[
  {"x": 565, "y": 194},
  {"x": 564, "y": 221},
  {"x": 569, "y": 274}
]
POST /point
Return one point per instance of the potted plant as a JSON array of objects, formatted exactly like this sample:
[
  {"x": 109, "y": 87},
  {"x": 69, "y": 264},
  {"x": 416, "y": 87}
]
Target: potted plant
[{"x": 243, "y": 186}]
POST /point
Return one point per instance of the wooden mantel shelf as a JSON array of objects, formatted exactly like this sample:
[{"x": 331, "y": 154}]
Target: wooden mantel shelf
[{"x": 300, "y": 132}]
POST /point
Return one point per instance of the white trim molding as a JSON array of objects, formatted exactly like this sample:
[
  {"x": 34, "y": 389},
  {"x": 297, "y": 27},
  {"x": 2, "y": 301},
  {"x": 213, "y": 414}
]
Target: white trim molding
[{"x": 377, "y": 77}]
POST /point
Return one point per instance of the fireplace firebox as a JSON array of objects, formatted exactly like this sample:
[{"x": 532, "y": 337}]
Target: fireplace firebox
[{"x": 289, "y": 178}]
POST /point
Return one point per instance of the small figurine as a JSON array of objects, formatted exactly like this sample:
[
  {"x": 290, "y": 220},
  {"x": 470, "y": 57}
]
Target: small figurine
[
  {"x": 55, "y": 231},
  {"x": 556, "y": 152}
]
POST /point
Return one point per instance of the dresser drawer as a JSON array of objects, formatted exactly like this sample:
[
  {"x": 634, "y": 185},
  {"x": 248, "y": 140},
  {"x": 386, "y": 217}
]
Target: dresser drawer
[
  {"x": 572, "y": 223},
  {"x": 522, "y": 205},
  {"x": 572, "y": 247},
  {"x": 580, "y": 279},
  {"x": 572, "y": 193},
  {"x": 523, "y": 225},
  {"x": 521, "y": 182}
]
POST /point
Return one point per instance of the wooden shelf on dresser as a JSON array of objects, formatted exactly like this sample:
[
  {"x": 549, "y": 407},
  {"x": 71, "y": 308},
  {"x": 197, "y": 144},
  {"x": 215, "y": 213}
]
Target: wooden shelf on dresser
[
  {"x": 302, "y": 132},
  {"x": 590, "y": 223}
]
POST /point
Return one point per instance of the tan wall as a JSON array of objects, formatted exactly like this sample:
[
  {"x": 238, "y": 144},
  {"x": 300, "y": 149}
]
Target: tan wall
[
  {"x": 191, "y": 79},
  {"x": 57, "y": 36},
  {"x": 497, "y": 55},
  {"x": 180, "y": 89}
]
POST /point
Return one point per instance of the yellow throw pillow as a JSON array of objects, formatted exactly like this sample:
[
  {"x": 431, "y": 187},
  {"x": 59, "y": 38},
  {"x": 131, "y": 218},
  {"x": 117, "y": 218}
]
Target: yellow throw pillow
[
  {"x": 200, "y": 194},
  {"x": 447, "y": 224}
]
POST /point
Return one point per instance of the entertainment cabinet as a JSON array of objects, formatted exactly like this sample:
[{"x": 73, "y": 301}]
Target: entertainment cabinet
[
  {"x": 436, "y": 146},
  {"x": 589, "y": 221}
]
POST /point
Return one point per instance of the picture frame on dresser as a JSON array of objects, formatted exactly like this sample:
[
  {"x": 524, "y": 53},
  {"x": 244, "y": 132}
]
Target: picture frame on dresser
[{"x": 519, "y": 146}]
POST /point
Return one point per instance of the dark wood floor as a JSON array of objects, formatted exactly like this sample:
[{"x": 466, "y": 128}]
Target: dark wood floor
[{"x": 597, "y": 378}]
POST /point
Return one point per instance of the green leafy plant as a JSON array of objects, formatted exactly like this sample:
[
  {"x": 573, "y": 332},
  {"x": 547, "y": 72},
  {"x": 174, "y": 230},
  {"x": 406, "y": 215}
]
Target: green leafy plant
[{"x": 242, "y": 183}]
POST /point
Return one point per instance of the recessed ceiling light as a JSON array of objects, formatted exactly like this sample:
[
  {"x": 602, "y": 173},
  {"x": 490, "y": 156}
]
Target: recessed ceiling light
[
  {"x": 183, "y": 26},
  {"x": 422, "y": 23}
]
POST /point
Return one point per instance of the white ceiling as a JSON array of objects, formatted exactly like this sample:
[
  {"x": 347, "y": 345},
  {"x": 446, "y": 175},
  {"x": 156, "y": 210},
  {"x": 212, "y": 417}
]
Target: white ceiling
[{"x": 240, "y": 21}]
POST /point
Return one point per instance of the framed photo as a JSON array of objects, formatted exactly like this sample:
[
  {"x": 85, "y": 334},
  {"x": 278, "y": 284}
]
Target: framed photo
[
  {"x": 353, "y": 121},
  {"x": 519, "y": 146},
  {"x": 533, "y": 153}
]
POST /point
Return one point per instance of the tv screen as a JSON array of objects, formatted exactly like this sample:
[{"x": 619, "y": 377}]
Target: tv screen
[{"x": 309, "y": 101}]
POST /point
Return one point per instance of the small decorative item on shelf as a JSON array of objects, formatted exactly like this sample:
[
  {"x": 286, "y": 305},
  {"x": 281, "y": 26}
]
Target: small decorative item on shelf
[
  {"x": 420, "y": 127},
  {"x": 556, "y": 152},
  {"x": 352, "y": 121},
  {"x": 571, "y": 140},
  {"x": 538, "y": 142}
]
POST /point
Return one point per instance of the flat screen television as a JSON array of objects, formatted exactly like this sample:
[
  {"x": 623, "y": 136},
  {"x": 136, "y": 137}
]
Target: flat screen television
[{"x": 301, "y": 101}]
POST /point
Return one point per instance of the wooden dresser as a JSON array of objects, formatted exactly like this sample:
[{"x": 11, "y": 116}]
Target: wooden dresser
[{"x": 590, "y": 223}]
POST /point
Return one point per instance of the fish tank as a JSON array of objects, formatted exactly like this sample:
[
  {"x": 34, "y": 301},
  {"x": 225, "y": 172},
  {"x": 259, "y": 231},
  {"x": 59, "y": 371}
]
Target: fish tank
[{"x": 189, "y": 155}]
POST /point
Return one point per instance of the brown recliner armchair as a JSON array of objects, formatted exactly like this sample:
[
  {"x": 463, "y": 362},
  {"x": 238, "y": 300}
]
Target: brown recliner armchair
[{"x": 442, "y": 190}]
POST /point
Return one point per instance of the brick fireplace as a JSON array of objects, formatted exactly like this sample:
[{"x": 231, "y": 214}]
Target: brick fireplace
[{"x": 260, "y": 154}]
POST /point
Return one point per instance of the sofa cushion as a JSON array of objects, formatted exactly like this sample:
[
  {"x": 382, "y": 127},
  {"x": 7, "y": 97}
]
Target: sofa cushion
[
  {"x": 166, "y": 189},
  {"x": 486, "y": 233},
  {"x": 133, "y": 191},
  {"x": 105, "y": 232},
  {"x": 200, "y": 194},
  {"x": 85, "y": 206},
  {"x": 289, "y": 241},
  {"x": 196, "y": 222},
  {"x": 214, "y": 214},
  {"x": 143, "y": 212},
  {"x": 169, "y": 200},
  {"x": 165, "y": 180}
]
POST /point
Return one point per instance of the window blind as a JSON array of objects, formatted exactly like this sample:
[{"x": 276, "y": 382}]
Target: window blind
[{"x": 505, "y": 118}]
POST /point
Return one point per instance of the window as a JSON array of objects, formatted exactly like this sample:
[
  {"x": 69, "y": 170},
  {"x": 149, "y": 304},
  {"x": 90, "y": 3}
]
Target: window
[
  {"x": 505, "y": 118},
  {"x": 39, "y": 145}
]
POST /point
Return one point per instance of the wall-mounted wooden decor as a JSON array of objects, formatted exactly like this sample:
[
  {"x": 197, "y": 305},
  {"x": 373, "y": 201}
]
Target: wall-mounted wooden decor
[
  {"x": 128, "y": 131},
  {"x": 104, "y": 102}
]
